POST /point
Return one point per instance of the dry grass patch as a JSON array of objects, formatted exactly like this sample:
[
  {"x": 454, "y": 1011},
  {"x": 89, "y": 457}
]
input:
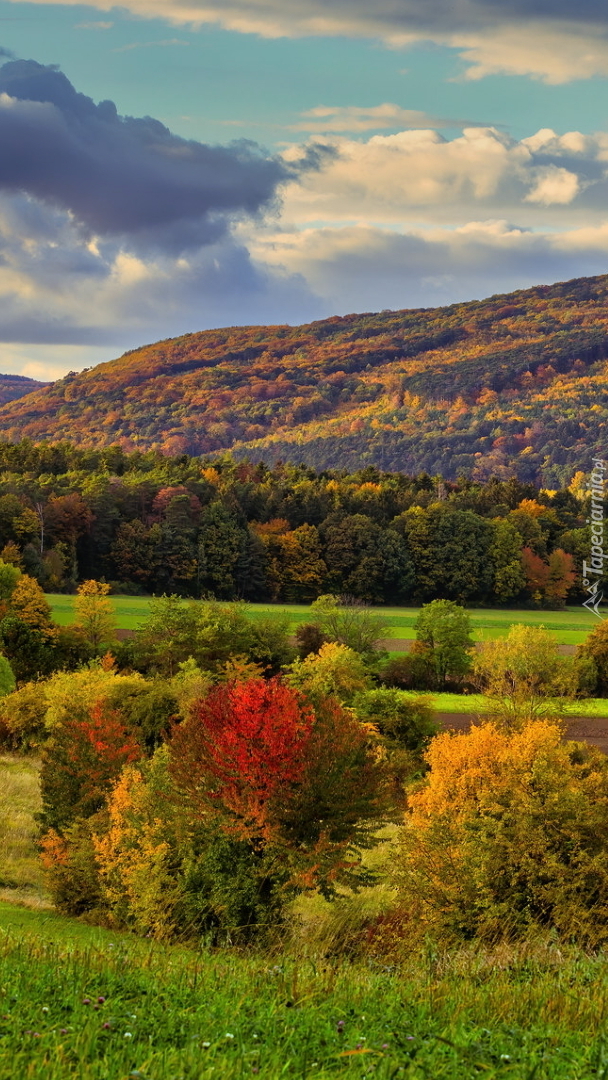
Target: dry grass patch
[{"x": 21, "y": 878}]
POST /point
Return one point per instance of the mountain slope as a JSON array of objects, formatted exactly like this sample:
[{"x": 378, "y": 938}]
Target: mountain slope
[{"x": 517, "y": 383}]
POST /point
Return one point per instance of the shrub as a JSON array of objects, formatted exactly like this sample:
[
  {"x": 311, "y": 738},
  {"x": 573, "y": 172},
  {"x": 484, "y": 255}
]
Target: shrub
[
  {"x": 509, "y": 830},
  {"x": 80, "y": 762},
  {"x": 70, "y": 867},
  {"x": 309, "y": 639},
  {"x": 335, "y": 671},
  {"x": 22, "y": 715},
  {"x": 595, "y": 648},
  {"x": 403, "y": 720},
  {"x": 136, "y": 855}
]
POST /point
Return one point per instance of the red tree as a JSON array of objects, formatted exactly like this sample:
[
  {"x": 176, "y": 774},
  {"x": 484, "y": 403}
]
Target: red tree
[
  {"x": 242, "y": 750},
  {"x": 309, "y": 785}
]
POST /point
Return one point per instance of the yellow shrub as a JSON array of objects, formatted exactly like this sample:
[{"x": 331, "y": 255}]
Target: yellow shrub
[
  {"x": 509, "y": 830},
  {"x": 134, "y": 854}
]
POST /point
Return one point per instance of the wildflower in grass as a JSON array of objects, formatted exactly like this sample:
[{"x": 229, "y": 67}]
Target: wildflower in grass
[
  {"x": 107, "y": 1026},
  {"x": 128, "y": 1035},
  {"x": 86, "y": 1001},
  {"x": 101, "y": 1000}
]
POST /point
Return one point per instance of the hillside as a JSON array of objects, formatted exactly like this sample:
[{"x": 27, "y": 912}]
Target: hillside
[
  {"x": 516, "y": 383},
  {"x": 17, "y": 386}
]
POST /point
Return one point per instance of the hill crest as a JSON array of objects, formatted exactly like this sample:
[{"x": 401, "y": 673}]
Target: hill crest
[{"x": 515, "y": 384}]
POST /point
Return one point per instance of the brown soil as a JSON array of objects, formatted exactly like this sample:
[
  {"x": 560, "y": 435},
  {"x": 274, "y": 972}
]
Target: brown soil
[{"x": 593, "y": 730}]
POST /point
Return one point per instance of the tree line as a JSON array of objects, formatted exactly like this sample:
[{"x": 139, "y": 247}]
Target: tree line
[{"x": 150, "y": 524}]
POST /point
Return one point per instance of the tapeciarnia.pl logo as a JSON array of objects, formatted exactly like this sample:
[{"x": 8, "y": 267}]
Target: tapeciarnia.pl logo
[{"x": 593, "y": 571}]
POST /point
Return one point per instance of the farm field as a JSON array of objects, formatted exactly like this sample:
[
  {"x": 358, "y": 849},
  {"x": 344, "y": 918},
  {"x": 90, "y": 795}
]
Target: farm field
[
  {"x": 570, "y": 627},
  {"x": 476, "y": 704},
  {"x": 83, "y": 1002}
]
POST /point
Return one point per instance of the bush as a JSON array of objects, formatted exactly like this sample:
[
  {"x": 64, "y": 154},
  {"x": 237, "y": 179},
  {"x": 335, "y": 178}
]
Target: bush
[
  {"x": 22, "y": 715},
  {"x": 70, "y": 867},
  {"x": 510, "y": 830},
  {"x": 80, "y": 762},
  {"x": 413, "y": 671},
  {"x": 309, "y": 638},
  {"x": 403, "y": 720},
  {"x": 335, "y": 671}
]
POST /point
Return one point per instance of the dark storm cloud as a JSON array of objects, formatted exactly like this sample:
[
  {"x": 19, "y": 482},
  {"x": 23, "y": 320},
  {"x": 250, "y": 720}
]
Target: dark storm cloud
[{"x": 121, "y": 175}]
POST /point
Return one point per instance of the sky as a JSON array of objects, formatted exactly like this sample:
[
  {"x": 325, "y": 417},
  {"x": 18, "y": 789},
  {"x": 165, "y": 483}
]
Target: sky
[{"x": 174, "y": 165}]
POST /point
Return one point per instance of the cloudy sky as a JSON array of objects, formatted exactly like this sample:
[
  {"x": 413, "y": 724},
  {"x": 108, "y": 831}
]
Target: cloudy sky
[{"x": 173, "y": 165}]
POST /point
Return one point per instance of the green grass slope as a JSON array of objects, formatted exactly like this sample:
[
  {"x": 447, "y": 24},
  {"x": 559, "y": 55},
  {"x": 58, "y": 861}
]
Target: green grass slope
[
  {"x": 82, "y": 1002},
  {"x": 516, "y": 383}
]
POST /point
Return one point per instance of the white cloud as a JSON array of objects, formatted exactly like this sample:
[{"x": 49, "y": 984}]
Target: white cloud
[
  {"x": 555, "y": 42},
  {"x": 554, "y": 186},
  {"x": 362, "y": 268},
  {"x": 420, "y": 176}
]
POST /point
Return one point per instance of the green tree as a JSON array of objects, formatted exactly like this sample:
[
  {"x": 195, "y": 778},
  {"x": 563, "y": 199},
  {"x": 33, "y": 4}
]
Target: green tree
[
  {"x": 505, "y": 554},
  {"x": 354, "y": 625},
  {"x": 444, "y": 629},
  {"x": 365, "y": 561},
  {"x": 450, "y": 552},
  {"x": 220, "y": 546},
  {"x": 168, "y": 636}
]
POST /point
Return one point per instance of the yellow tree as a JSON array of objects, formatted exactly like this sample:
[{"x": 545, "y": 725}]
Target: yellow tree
[
  {"x": 95, "y": 618},
  {"x": 30, "y": 604}
]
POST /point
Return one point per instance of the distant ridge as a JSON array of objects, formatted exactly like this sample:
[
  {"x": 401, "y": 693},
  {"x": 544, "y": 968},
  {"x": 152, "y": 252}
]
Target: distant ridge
[
  {"x": 17, "y": 386},
  {"x": 516, "y": 384}
]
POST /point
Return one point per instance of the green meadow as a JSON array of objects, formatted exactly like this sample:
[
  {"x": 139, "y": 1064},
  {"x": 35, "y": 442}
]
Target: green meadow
[
  {"x": 570, "y": 626},
  {"x": 83, "y": 1002}
]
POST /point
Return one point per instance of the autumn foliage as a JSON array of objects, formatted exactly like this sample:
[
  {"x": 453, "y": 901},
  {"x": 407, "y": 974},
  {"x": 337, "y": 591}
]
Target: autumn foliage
[
  {"x": 84, "y": 757},
  {"x": 243, "y": 751},
  {"x": 256, "y": 757},
  {"x": 510, "y": 830}
]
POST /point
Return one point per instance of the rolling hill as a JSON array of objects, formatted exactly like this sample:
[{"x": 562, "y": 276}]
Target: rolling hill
[
  {"x": 514, "y": 384},
  {"x": 17, "y": 386}
]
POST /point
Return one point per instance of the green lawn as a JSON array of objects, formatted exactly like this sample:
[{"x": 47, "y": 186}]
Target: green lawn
[
  {"x": 96, "y": 1005},
  {"x": 476, "y": 704},
  {"x": 570, "y": 626}
]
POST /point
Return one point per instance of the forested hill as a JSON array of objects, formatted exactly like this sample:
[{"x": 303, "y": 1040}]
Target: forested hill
[
  {"x": 514, "y": 384},
  {"x": 17, "y": 386}
]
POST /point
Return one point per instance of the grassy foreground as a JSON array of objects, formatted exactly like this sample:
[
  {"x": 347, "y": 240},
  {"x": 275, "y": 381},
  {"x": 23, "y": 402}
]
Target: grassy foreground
[
  {"x": 570, "y": 627},
  {"x": 87, "y": 1003}
]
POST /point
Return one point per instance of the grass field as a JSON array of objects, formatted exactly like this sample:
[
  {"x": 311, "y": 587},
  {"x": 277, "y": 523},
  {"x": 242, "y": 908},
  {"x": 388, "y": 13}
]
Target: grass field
[
  {"x": 20, "y": 870},
  {"x": 82, "y": 1002},
  {"x": 570, "y": 626},
  {"x": 476, "y": 704}
]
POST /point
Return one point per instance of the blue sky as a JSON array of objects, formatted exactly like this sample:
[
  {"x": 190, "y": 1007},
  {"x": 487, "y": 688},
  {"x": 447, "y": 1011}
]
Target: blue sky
[{"x": 407, "y": 153}]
